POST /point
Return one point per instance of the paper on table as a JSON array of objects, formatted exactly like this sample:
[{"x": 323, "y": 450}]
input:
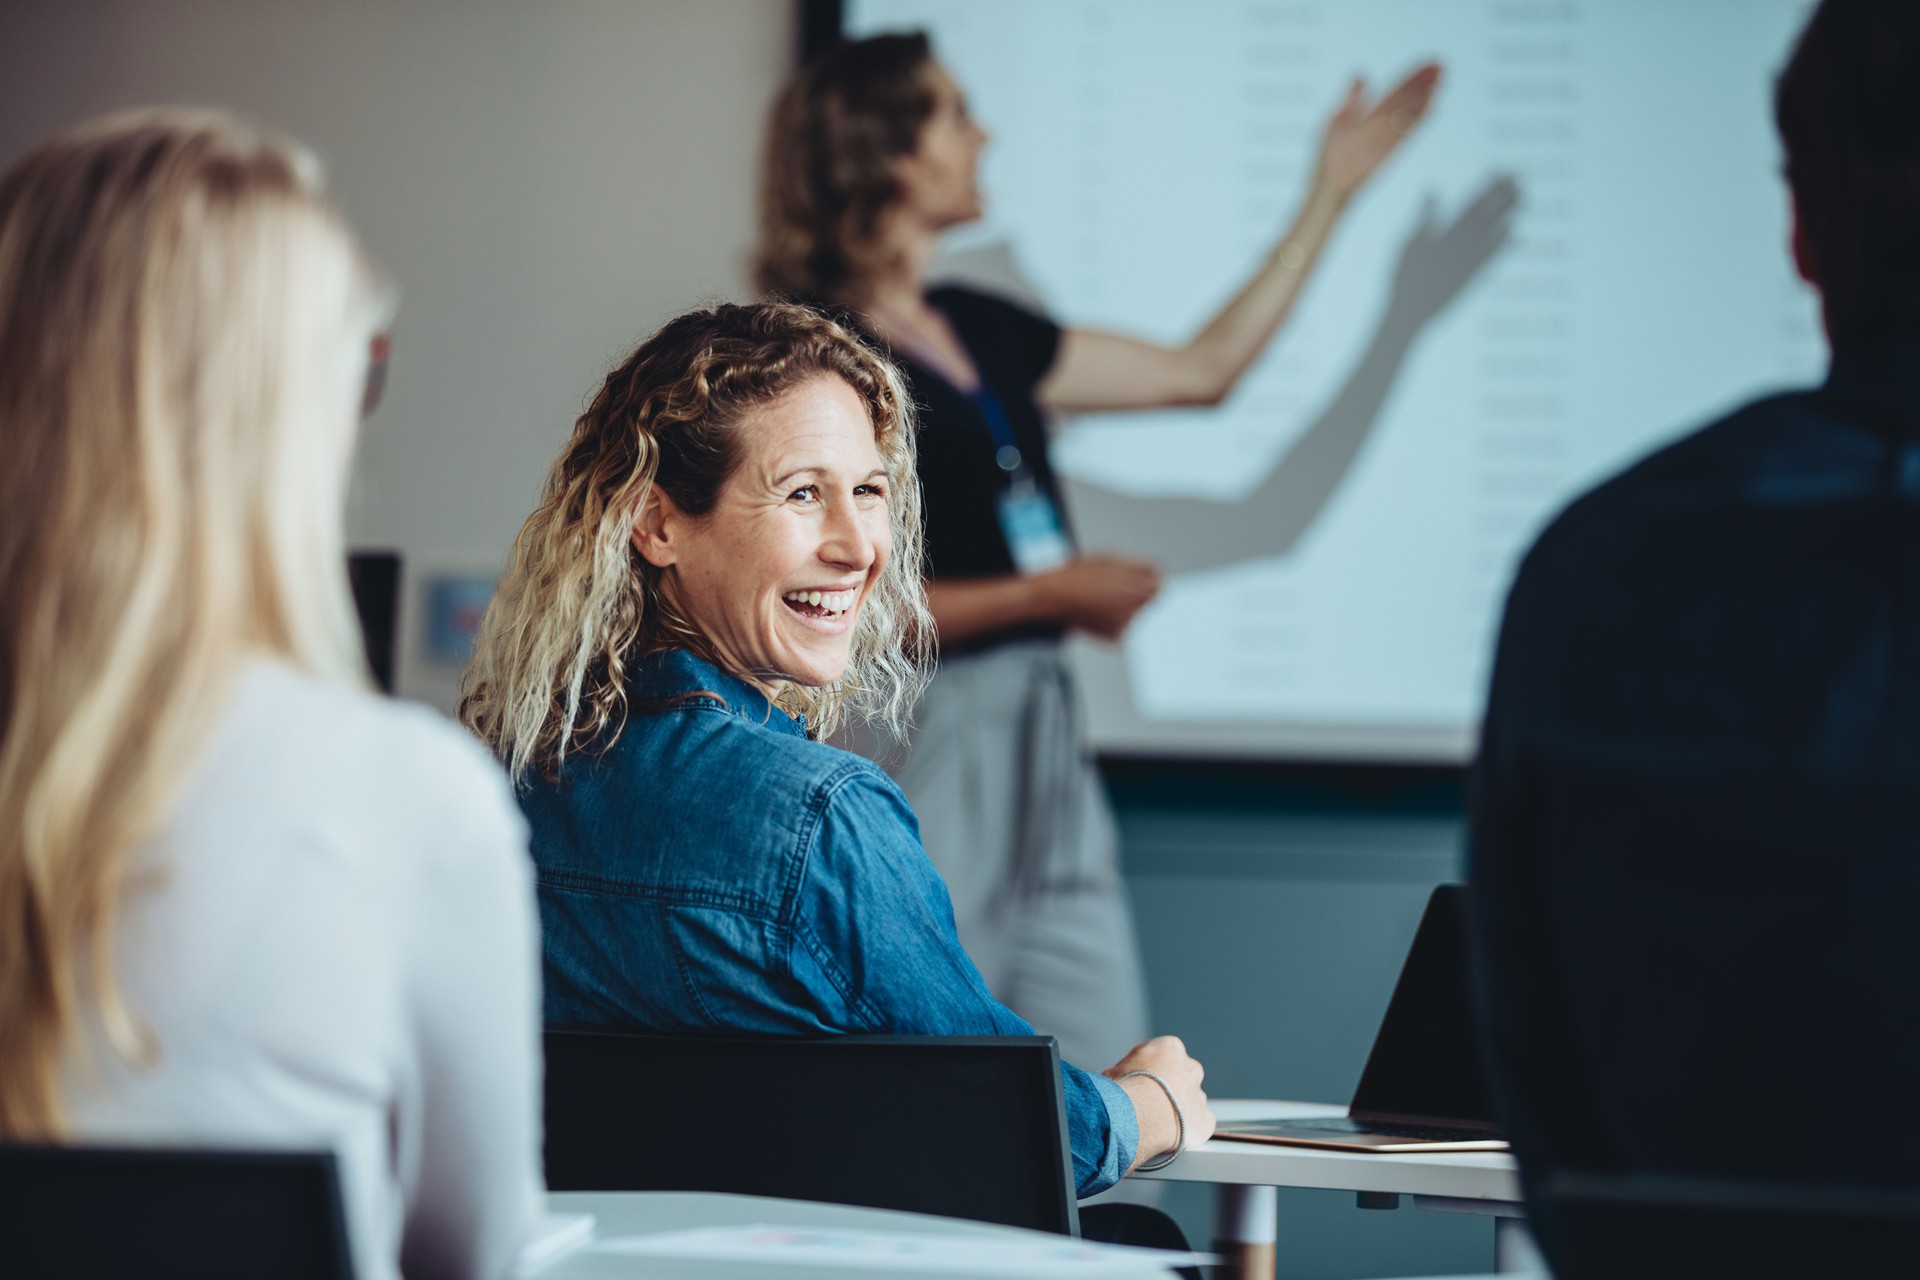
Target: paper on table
[
  {"x": 557, "y": 1235},
  {"x": 900, "y": 1251}
]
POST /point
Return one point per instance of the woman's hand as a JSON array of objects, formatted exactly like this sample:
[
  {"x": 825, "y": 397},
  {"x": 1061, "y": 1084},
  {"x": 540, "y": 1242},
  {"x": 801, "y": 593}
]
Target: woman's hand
[
  {"x": 1098, "y": 593},
  {"x": 1167, "y": 1058},
  {"x": 1361, "y": 136}
]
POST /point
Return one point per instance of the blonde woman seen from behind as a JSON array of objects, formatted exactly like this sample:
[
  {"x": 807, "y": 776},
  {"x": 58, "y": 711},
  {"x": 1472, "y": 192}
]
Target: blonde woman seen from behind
[{"x": 243, "y": 901}]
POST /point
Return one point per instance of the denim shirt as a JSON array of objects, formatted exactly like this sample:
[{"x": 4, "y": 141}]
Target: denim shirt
[{"x": 715, "y": 870}]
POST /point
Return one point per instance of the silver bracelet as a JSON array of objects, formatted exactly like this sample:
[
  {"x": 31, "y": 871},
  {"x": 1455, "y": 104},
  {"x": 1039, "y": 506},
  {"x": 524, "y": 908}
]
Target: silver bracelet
[{"x": 1179, "y": 1121}]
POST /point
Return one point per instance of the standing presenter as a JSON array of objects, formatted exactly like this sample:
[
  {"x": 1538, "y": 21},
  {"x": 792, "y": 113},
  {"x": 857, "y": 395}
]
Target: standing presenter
[{"x": 871, "y": 156}]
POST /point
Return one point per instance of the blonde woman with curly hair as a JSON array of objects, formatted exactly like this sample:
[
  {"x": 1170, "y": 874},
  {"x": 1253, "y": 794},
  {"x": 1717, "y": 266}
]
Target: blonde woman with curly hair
[
  {"x": 724, "y": 567},
  {"x": 243, "y": 901}
]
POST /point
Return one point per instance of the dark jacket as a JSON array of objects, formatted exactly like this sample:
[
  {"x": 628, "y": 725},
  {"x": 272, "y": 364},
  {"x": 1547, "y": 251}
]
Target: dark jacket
[{"x": 1696, "y": 813}]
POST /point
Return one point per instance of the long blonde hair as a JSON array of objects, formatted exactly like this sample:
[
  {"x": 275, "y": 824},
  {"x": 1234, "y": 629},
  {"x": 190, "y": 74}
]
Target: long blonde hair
[
  {"x": 184, "y": 327},
  {"x": 578, "y": 603}
]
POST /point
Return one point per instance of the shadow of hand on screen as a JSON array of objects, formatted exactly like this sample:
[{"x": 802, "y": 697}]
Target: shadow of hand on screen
[
  {"x": 1184, "y": 535},
  {"x": 1437, "y": 262}
]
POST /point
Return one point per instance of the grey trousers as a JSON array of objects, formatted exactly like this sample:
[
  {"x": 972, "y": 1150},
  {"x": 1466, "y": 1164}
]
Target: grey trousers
[{"x": 1015, "y": 819}]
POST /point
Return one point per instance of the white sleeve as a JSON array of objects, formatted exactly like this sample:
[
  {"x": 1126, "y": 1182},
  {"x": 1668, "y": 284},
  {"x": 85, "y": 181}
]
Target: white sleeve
[{"x": 469, "y": 1155}]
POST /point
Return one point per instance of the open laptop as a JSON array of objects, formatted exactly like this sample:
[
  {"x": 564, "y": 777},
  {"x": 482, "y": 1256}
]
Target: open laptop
[{"x": 1422, "y": 1089}]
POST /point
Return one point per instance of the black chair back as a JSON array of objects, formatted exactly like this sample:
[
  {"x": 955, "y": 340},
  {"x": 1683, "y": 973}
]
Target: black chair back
[
  {"x": 103, "y": 1213},
  {"x": 1660, "y": 1227},
  {"x": 968, "y": 1127}
]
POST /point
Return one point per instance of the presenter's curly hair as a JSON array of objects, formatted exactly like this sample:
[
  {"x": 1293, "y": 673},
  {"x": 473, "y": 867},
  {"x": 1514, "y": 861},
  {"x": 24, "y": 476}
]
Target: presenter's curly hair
[
  {"x": 578, "y": 603},
  {"x": 827, "y": 174}
]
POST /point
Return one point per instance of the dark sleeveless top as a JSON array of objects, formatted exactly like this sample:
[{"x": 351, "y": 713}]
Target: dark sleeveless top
[{"x": 960, "y": 481}]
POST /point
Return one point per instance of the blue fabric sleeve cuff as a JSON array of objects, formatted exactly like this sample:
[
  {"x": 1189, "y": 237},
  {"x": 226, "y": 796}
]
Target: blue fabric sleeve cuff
[{"x": 1123, "y": 1134}]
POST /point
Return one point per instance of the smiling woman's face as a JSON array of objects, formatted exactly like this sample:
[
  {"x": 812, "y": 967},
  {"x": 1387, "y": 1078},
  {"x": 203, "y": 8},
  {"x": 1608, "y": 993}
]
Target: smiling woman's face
[{"x": 774, "y": 576}]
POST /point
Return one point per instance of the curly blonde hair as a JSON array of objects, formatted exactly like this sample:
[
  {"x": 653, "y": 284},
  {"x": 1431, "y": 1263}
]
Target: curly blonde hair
[{"x": 579, "y": 604}]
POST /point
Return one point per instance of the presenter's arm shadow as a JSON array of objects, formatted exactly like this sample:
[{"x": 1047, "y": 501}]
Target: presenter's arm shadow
[{"x": 1185, "y": 535}]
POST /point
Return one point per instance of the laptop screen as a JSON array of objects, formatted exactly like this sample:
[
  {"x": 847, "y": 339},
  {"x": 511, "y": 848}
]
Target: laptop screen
[{"x": 1425, "y": 1063}]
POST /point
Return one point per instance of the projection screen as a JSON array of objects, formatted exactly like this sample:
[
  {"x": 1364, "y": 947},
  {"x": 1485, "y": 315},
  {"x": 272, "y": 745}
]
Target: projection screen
[{"x": 1340, "y": 532}]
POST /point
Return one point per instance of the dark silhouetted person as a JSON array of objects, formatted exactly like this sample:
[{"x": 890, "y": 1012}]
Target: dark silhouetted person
[{"x": 1696, "y": 813}]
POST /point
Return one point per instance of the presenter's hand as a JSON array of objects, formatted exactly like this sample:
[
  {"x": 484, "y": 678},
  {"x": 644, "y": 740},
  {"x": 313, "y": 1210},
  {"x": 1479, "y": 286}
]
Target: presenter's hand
[
  {"x": 1098, "y": 593},
  {"x": 1363, "y": 134},
  {"x": 1167, "y": 1058}
]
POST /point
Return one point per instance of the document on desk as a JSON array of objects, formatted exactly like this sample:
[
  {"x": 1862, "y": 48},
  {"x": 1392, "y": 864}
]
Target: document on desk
[{"x": 902, "y": 1252}]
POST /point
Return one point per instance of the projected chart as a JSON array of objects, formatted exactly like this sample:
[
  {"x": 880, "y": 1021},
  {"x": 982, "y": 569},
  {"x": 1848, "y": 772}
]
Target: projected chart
[{"x": 1340, "y": 533}]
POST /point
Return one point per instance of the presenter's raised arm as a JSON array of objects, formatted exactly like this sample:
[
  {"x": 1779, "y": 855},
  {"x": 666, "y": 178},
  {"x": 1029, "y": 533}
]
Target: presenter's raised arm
[
  {"x": 1440, "y": 258},
  {"x": 1099, "y": 370}
]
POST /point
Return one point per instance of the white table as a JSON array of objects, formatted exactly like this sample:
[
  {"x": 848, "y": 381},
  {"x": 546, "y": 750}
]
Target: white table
[
  {"x": 625, "y": 1213},
  {"x": 1245, "y": 1175}
]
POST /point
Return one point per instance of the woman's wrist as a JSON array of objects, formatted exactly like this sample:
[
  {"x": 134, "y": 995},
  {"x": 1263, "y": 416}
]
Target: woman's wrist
[
  {"x": 1311, "y": 226},
  {"x": 1037, "y": 599},
  {"x": 1153, "y": 1111},
  {"x": 1179, "y": 1120},
  {"x": 1325, "y": 197}
]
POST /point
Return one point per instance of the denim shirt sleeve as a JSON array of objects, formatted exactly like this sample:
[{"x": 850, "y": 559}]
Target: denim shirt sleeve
[{"x": 873, "y": 933}]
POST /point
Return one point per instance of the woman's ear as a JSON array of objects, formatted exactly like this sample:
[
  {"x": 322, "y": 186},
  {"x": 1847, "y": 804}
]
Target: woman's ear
[
  {"x": 654, "y": 530},
  {"x": 1802, "y": 251},
  {"x": 1807, "y": 265}
]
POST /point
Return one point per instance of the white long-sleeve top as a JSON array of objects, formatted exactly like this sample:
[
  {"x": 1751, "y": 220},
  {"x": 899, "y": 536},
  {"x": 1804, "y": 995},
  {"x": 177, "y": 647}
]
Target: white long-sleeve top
[{"x": 334, "y": 942}]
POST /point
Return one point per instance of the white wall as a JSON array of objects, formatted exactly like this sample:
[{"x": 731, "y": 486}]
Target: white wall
[{"x": 546, "y": 181}]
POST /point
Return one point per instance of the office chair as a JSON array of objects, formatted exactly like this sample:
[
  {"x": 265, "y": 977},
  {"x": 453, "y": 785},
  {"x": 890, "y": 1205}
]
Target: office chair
[
  {"x": 967, "y": 1127},
  {"x": 103, "y": 1213},
  {"x": 1610, "y": 1226}
]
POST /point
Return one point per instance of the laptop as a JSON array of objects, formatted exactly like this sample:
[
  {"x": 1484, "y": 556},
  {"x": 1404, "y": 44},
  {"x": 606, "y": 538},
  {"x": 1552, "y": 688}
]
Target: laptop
[{"x": 1422, "y": 1089}]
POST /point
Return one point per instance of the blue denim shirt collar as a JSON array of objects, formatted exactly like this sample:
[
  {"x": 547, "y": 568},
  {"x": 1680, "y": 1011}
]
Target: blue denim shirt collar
[{"x": 673, "y": 674}]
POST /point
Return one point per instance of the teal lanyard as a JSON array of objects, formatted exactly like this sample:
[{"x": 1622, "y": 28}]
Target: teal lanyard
[{"x": 1005, "y": 451}]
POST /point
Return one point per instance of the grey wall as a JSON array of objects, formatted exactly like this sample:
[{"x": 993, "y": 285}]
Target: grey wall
[{"x": 546, "y": 181}]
